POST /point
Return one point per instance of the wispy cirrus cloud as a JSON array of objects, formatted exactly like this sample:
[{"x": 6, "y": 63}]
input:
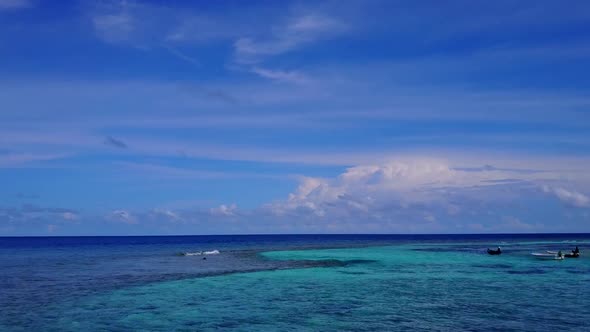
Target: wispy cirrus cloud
[
  {"x": 198, "y": 28},
  {"x": 184, "y": 173},
  {"x": 151, "y": 26},
  {"x": 334, "y": 102},
  {"x": 165, "y": 147},
  {"x": 570, "y": 197},
  {"x": 17, "y": 159},
  {"x": 132, "y": 23},
  {"x": 115, "y": 27},
  {"x": 145, "y": 26},
  {"x": 281, "y": 76},
  {"x": 182, "y": 55},
  {"x": 15, "y": 4},
  {"x": 296, "y": 32}
]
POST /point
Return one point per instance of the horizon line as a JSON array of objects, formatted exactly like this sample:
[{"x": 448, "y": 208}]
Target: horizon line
[{"x": 299, "y": 234}]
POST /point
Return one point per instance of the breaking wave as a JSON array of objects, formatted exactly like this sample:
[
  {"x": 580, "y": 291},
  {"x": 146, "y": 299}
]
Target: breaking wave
[{"x": 199, "y": 253}]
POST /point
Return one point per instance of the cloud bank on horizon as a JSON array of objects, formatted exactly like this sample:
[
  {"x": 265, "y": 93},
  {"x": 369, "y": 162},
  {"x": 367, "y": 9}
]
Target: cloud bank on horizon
[{"x": 142, "y": 117}]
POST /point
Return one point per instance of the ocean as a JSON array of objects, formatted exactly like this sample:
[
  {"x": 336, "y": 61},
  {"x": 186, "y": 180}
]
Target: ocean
[{"x": 294, "y": 283}]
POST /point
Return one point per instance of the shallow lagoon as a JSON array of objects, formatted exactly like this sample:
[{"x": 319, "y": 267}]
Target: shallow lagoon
[{"x": 450, "y": 285}]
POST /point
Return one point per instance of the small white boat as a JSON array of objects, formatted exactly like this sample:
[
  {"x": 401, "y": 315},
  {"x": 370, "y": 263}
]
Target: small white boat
[
  {"x": 547, "y": 255},
  {"x": 568, "y": 255}
]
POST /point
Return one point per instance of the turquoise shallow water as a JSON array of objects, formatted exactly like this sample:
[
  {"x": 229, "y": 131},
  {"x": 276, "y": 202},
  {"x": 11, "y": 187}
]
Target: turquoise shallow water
[{"x": 402, "y": 287}]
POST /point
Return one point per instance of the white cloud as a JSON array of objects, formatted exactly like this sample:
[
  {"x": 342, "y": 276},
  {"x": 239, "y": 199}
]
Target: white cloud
[
  {"x": 149, "y": 25},
  {"x": 137, "y": 24},
  {"x": 281, "y": 76},
  {"x": 19, "y": 159},
  {"x": 164, "y": 214},
  {"x": 148, "y": 170},
  {"x": 429, "y": 217},
  {"x": 193, "y": 28},
  {"x": 70, "y": 216},
  {"x": 293, "y": 34},
  {"x": 569, "y": 197},
  {"x": 182, "y": 56},
  {"x": 408, "y": 194},
  {"x": 15, "y": 4},
  {"x": 114, "y": 28},
  {"x": 308, "y": 197},
  {"x": 350, "y": 100},
  {"x": 405, "y": 195},
  {"x": 366, "y": 188},
  {"x": 402, "y": 174},
  {"x": 224, "y": 210}
]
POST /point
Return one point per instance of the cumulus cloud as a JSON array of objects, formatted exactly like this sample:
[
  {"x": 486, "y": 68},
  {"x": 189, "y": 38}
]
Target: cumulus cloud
[
  {"x": 418, "y": 195},
  {"x": 415, "y": 195},
  {"x": 364, "y": 189},
  {"x": 412, "y": 180},
  {"x": 224, "y": 210},
  {"x": 569, "y": 197}
]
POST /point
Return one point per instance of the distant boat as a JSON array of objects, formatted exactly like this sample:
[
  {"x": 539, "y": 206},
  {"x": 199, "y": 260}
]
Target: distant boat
[
  {"x": 572, "y": 254},
  {"x": 495, "y": 252},
  {"x": 547, "y": 255}
]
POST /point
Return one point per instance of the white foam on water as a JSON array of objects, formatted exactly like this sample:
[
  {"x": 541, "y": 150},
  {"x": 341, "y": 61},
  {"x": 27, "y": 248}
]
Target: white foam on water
[{"x": 199, "y": 253}]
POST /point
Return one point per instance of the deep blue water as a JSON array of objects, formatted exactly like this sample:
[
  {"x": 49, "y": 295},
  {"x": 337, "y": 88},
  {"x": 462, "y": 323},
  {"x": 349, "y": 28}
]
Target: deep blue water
[{"x": 446, "y": 281}]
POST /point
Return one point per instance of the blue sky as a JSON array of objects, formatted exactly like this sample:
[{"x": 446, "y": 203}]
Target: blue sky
[{"x": 233, "y": 117}]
